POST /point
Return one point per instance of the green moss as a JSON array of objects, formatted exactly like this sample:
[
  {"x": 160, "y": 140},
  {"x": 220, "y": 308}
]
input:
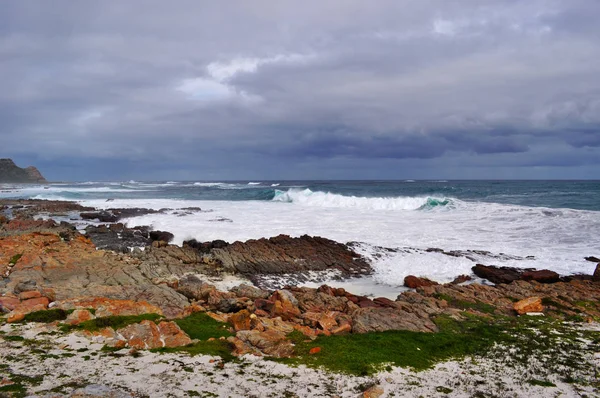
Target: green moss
[
  {"x": 541, "y": 383},
  {"x": 46, "y": 316},
  {"x": 13, "y": 260},
  {"x": 202, "y": 327},
  {"x": 467, "y": 305},
  {"x": 115, "y": 322},
  {"x": 364, "y": 354},
  {"x": 14, "y": 338}
]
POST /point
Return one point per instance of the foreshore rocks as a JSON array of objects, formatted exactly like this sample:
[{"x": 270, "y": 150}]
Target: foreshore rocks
[{"x": 46, "y": 265}]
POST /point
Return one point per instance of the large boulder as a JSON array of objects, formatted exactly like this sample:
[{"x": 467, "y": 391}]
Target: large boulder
[
  {"x": 530, "y": 304},
  {"x": 497, "y": 274}
]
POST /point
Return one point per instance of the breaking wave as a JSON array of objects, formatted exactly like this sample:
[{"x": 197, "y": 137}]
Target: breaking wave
[{"x": 327, "y": 199}]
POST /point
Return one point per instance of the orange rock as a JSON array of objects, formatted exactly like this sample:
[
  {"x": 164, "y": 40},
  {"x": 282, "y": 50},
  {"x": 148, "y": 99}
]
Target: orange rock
[
  {"x": 327, "y": 320},
  {"x": 286, "y": 305},
  {"x": 343, "y": 329},
  {"x": 240, "y": 320},
  {"x": 314, "y": 350},
  {"x": 218, "y": 317},
  {"x": 109, "y": 307},
  {"x": 373, "y": 392},
  {"x": 8, "y": 304},
  {"x": 29, "y": 295},
  {"x": 79, "y": 316},
  {"x": 143, "y": 335},
  {"x": 172, "y": 335},
  {"x": 530, "y": 304}
]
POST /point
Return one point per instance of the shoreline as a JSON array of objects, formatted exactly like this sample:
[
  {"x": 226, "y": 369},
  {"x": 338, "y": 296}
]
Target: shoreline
[{"x": 263, "y": 321}]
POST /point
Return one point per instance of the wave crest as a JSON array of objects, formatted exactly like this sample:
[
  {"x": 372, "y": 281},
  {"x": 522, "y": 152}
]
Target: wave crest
[{"x": 327, "y": 199}]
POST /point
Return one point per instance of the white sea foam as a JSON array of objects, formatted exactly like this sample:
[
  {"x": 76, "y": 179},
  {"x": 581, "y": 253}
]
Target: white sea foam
[
  {"x": 254, "y": 183},
  {"x": 559, "y": 239},
  {"x": 307, "y": 197}
]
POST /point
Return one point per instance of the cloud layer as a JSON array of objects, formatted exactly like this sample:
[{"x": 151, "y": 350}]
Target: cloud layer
[{"x": 335, "y": 89}]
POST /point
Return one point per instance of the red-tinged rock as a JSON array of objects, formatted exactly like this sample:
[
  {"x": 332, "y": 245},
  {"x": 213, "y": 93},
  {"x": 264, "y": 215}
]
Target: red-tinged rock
[
  {"x": 110, "y": 307},
  {"x": 264, "y": 305},
  {"x": 327, "y": 320},
  {"x": 314, "y": 350},
  {"x": 461, "y": 279},
  {"x": 79, "y": 316},
  {"x": 172, "y": 335},
  {"x": 596, "y": 277},
  {"x": 143, "y": 335},
  {"x": 240, "y": 320},
  {"x": 261, "y": 313},
  {"x": 286, "y": 305},
  {"x": 414, "y": 282},
  {"x": 219, "y": 317},
  {"x": 29, "y": 295},
  {"x": 541, "y": 276},
  {"x": 8, "y": 304},
  {"x": 343, "y": 329},
  {"x": 364, "y": 302},
  {"x": 530, "y": 304},
  {"x": 383, "y": 302},
  {"x": 374, "y": 392},
  {"x": 269, "y": 342},
  {"x": 26, "y": 307},
  {"x": 307, "y": 331}
]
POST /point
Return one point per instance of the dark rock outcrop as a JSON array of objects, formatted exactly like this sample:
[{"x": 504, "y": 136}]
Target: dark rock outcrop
[
  {"x": 10, "y": 172},
  {"x": 283, "y": 254}
]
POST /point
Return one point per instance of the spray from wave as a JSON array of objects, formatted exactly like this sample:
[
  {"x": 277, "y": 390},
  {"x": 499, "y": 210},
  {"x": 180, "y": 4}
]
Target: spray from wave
[{"x": 327, "y": 199}]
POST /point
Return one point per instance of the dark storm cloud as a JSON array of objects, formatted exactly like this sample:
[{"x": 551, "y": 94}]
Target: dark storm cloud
[{"x": 287, "y": 90}]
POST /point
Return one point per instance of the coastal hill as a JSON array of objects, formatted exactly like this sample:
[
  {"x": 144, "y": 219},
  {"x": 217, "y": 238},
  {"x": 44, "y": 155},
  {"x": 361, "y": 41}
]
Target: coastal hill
[{"x": 10, "y": 172}]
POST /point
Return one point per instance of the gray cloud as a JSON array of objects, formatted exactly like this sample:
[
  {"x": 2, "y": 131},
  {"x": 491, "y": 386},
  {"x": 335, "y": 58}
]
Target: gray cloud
[{"x": 285, "y": 90}]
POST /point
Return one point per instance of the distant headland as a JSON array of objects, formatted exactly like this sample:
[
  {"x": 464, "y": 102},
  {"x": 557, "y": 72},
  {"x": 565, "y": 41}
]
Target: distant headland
[{"x": 10, "y": 172}]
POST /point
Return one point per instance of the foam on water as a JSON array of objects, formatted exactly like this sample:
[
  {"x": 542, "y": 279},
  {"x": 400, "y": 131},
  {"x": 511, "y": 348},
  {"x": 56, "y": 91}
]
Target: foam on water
[
  {"x": 559, "y": 239},
  {"x": 307, "y": 197}
]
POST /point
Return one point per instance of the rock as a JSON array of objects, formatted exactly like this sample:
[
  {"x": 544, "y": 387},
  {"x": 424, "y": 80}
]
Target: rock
[
  {"x": 343, "y": 329},
  {"x": 497, "y": 274},
  {"x": 373, "y": 392},
  {"x": 162, "y": 236},
  {"x": 172, "y": 335},
  {"x": 8, "y": 304},
  {"x": 285, "y": 305},
  {"x": 110, "y": 307},
  {"x": 461, "y": 279},
  {"x": 596, "y": 277},
  {"x": 314, "y": 350},
  {"x": 79, "y": 316},
  {"x": 195, "y": 288},
  {"x": 118, "y": 237},
  {"x": 593, "y": 259},
  {"x": 530, "y": 304},
  {"x": 250, "y": 292},
  {"x": 269, "y": 342},
  {"x": 148, "y": 335},
  {"x": 366, "y": 320},
  {"x": 414, "y": 282},
  {"x": 29, "y": 295},
  {"x": 283, "y": 254},
  {"x": 541, "y": 276},
  {"x": 27, "y": 306},
  {"x": 11, "y": 173},
  {"x": 240, "y": 320}
]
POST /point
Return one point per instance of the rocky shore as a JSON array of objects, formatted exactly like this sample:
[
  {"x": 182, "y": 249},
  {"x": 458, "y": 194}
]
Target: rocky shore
[{"x": 108, "y": 291}]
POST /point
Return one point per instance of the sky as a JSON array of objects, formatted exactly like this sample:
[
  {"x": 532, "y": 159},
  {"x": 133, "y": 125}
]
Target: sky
[{"x": 332, "y": 89}]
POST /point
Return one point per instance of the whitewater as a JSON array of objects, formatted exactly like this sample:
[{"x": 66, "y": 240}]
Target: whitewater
[{"x": 375, "y": 217}]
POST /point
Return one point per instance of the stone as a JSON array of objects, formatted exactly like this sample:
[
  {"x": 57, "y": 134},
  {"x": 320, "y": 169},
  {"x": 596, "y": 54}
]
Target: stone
[
  {"x": 8, "y": 303},
  {"x": 285, "y": 305},
  {"x": 269, "y": 342},
  {"x": 79, "y": 316},
  {"x": 29, "y": 295},
  {"x": 461, "y": 279},
  {"x": 596, "y": 276},
  {"x": 593, "y": 259},
  {"x": 530, "y": 304},
  {"x": 110, "y": 307},
  {"x": 343, "y": 329},
  {"x": 373, "y": 392},
  {"x": 414, "y": 282},
  {"x": 240, "y": 320},
  {"x": 497, "y": 274},
  {"x": 250, "y": 292},
  {"x": 541, "y": 276},
  {"x": 172, "y": 335},
  {"x": 314, "y": 350}
]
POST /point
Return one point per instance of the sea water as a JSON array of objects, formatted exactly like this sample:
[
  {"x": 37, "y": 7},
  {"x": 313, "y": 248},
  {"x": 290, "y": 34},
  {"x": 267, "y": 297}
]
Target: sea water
[{"x": 538, "y": 224}]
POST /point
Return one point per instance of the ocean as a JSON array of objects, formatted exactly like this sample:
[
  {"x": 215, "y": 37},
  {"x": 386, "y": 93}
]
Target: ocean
[{"x": 538, "y": 224}]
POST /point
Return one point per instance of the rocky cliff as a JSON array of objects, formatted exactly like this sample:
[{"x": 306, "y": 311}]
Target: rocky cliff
[{"x": 10, "y": 172}]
